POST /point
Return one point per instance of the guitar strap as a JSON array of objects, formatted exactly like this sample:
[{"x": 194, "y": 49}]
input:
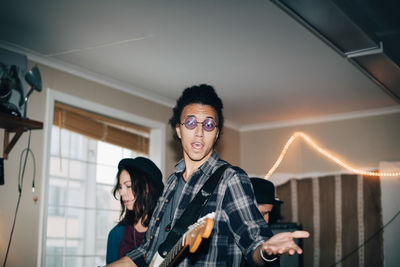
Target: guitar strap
[{"x": 192, "y": 211}]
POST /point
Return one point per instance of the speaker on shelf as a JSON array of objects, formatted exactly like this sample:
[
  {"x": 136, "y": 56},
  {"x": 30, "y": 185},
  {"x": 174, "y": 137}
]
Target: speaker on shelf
[{"x": 13, "y": 67}]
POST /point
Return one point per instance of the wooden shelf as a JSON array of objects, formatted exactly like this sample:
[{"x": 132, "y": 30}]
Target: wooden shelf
[{"x": 17, "y": 125}]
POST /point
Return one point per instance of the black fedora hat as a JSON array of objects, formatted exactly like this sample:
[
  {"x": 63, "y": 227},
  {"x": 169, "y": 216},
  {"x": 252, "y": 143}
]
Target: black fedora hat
[
  {"x": 146, "y": 166},
  {"x": 264, "y": 191}
]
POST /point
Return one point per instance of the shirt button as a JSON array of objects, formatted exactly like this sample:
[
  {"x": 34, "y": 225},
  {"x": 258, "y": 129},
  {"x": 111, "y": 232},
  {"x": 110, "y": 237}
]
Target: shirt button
[{"x": 166, "y": 201}]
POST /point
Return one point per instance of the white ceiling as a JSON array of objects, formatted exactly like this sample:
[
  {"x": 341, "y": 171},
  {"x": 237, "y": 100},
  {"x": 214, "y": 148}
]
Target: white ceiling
[{"x": 267, "y": 68}]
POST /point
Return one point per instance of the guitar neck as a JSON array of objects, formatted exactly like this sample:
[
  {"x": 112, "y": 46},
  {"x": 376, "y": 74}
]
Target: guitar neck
[
  {"x": 192, "y": 239},
  {"x": 173, "y": 254}
]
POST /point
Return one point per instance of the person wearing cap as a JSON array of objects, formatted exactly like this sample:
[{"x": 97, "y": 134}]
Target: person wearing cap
[
  {"x": 264, "y": 192},
  {"x": 138, "y": 186}
]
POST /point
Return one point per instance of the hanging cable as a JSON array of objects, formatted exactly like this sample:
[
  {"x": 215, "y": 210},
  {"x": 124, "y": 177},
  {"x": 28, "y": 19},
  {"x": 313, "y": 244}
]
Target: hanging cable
[{"x": 21, "y": 174}]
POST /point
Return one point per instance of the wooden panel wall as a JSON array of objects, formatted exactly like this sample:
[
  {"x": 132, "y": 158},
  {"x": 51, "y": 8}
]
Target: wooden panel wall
[{"x": 343, "y": 214}]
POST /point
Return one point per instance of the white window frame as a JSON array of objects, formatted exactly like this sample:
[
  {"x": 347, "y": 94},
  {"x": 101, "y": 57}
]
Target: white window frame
[{"x": 156, "y": 151}]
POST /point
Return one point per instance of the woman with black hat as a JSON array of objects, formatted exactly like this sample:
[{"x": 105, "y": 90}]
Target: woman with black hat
[{"x": 138, "y": 186}]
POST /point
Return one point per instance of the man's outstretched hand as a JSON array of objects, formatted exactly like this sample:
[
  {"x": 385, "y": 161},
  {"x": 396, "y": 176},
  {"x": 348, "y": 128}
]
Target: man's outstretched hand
[{"x": 283, "y": 243}]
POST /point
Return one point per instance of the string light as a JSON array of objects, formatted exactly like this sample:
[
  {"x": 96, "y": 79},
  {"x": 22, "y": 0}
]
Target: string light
[{"x": 326, "y": 154}]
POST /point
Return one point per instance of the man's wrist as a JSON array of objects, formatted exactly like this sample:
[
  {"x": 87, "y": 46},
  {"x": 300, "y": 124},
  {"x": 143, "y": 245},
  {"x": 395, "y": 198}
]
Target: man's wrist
[{"x": 268, "y": 258}]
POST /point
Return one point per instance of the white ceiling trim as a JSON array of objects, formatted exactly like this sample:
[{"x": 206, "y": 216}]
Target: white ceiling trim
[
  {"x": 231, "y": 125},
  {"x": 91, "y": 76},
  {"x": 322, "y": 119}
]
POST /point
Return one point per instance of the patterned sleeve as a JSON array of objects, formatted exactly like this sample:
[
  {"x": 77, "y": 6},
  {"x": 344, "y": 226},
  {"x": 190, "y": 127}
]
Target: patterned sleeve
[
  {"x": 244, "y": 220},
  {"x": 138, "y": 254}
]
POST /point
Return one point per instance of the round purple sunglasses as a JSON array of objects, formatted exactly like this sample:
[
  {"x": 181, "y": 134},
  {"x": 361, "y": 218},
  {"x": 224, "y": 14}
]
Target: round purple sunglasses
[{"x": 191, "y": 123}]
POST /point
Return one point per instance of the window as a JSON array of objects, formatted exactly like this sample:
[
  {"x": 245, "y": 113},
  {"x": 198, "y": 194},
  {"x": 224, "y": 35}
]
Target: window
[{"x": 80, "y": 207}]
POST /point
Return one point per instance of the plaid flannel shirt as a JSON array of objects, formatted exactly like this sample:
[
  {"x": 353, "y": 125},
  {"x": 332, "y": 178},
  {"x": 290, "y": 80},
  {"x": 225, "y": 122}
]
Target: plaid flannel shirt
[{"x": 238, "y": 226}]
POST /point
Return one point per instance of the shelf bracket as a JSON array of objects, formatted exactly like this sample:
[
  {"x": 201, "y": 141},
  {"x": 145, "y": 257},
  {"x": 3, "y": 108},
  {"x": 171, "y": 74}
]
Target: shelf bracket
[{"x": 9, "y": 145}]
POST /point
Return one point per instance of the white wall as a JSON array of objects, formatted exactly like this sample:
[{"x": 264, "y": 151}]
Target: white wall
[{"x": 390, "y": 187}]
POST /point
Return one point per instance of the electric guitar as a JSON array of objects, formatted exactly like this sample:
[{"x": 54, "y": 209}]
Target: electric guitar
[{"x": 191, "y": 238}]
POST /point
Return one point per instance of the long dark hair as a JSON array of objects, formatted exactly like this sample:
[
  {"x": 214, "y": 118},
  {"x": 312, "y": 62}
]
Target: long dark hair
[{"x": 146, "y": 196}]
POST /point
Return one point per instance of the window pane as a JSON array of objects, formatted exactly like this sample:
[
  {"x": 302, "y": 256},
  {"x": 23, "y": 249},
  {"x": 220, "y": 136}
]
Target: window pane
[
  {"x": 59, "y": 166},
  {"x": 55, "y": 247},
  {"x": 105, "y": 221},
  {"x": 75, "y": 224},
  {"x": 101, "y": 247},
  {"x": 77, "y": 169},
  {"x": 76, "y": 194},
  {"x": 126, "y": 153},
  {"x": 79, "y": 145},
  {"x": 56, "y": 227},
  {"x": 81, "y": 209},
  {"x": 55, "y": 141},
  {"x": 57, "y": 196},
  {"x": 105, "y": 199},
  {"x": 108, "y": 154},
  {"x": 100, "y": 260},
  {"x": 106, "y": 174},
  {"x": 60, "y": 137},
  {"x": 54, "y": 260},
  {"x": 65, "y": 144},
  {"x": 74, "y": 261},
  {"x": 54, "y": 252}
]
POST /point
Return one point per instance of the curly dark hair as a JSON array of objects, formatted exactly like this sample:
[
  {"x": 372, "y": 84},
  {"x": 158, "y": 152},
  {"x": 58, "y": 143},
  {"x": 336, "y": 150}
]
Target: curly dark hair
[
  {"x": 146, "y": 196},
  {"x": 198, "y": 94}
]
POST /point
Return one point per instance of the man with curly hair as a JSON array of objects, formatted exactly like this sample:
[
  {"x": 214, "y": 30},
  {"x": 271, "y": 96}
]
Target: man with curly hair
[{"x": 240, "y": 233}]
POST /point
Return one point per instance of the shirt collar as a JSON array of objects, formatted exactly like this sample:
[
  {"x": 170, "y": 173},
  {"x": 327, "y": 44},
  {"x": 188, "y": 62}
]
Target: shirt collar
[{"x": 207, "y": 167}]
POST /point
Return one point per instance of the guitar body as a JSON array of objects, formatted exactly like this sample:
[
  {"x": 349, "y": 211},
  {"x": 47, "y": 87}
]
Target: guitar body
[{"x": 191, "y": 239}]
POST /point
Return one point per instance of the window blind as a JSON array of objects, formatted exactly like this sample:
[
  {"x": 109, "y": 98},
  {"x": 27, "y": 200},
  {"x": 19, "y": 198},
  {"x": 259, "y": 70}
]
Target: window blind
[{"x": 102, "y": 128}]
